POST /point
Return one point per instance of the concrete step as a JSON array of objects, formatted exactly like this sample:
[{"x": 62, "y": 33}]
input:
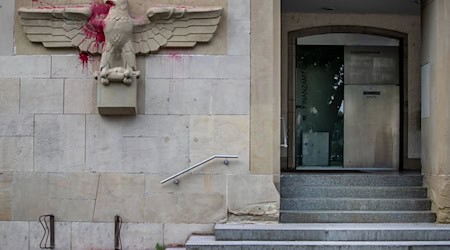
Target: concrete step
[
  {"x": 317, "y": 204},
  {"x": 352, "y": 192},
  {"x": 210, "y": 243},
  {"x": 331, "y": 216},
  {"x": 376, "y": 180},
  {"x": 333, "y": 232}
]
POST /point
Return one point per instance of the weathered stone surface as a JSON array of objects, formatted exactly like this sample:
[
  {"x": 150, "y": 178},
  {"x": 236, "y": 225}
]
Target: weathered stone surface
[
  {"x": 25, "y": 66},
  {"x": 104, "y": 143},
  {"x": 41, "y": 95},
  {"x": 79, "y": 96},
  {"x": 6, "y": 26},
  {"x": 177, "y": 234},
  {"x": 201, "y": 208},
  {"x": 155, "y": 154},
  {"x": 73, "y": 185},
  {"x": 16, "y": 154},
  {"x": 62, "y": 235},
  {"x": 117, "y": 98},
  {"x": 120, "y": 194},
  {"x": 86, "y": 235},
  {"x": 5, "y": 196},
  {"x": 239, "y": 45},
  {"x": 157, "y": 126},
  {"x": 71, "y": 210},
  {"x": 60, "y": 143},
  {"x": 9, "y": 94},
  {"x": 238, "y": 27},
  {"x": 14, "y": 234},
  {"x": 16, "y": 125},
  {"x": 78, "y": 69},
  {"x": 231, "y": 97},
  {"x": 227, "y": 134},
  {"x": 193, "y": 67},
  {"x": 253, "y": 197},
  {"x": 188, "y": 184},
  {"x": 191, "y": 96},
  {"x": 141, "y": 236},
  {"x": 161, "y": 208},
  {"x": 239, "y": 10},
  {"x": 30, "y": 192},
  {"x": 157, "y": 96}
]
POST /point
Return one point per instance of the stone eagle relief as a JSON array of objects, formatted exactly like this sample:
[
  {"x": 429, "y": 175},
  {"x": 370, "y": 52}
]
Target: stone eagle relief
[{"x": 108, "y": 28}]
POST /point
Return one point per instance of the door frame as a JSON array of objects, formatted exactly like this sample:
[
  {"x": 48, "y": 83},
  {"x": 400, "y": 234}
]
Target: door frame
[{"x": 403, "y": 58}]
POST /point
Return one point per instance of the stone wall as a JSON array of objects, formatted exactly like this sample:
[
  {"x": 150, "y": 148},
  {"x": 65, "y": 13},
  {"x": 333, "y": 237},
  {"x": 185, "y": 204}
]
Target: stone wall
[
  {"x": 58, "y": 156},
  {"x": 435, "y": 119}
]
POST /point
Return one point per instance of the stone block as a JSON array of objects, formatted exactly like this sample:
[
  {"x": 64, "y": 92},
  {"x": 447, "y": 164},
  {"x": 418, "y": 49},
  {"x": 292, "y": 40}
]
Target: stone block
[
  {"x": 14, "y": 234},
  {"x": 141, "y": 236},
  {"x": 188, "y": 184},
  {"x": 157, "y": 96},
  {"x": 5, "y": 196},
  {"x": 88, "y": 235},
  {"x": 161, "y": 208},
  {"x": 117, "y": 98},
  {"x": 104, "y": 143},
  {"x": 16, "y": 154},
  {"x": 41, "y": 95},
  {"x": 253, "y": 196},
  {"x": 239, "y": 45},
  {"x": 220, "y": 134},
  {"x": 239, "y": 10},
  {"x": 30, "y": 196},
  {"x": 120, "y": 194},
  {"x": 202, "y": 208},
  {"x": 60, "y": 143},
  {"x": 157, "y": 126},
  {"x": 155, "y": 154},
  {"x": 79, "y": 96},
  {"x": 177, "y": 234},
  {"x": 159, "y": 66},
  {"x": 235, "y": 67},
  {"x": 70, "y": 66},
  {"x": 25, "y": 66},
  {"x": 71, "y": 210},
  {"x": 191, "y": 96},
  {"x": 231, "y": 97},
  {"x": 81, "y": 186},
  {"x": 238, "y": 28},
  {"x": 62, "y": 235},
  {"x": 9, "y": 94},
  {"x": 7, "y": 28},
  {"x": 16, "y": 125}
]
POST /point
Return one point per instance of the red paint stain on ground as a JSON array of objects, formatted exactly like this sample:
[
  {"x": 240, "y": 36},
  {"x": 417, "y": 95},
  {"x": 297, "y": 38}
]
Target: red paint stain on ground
[{"x": 84, "y": 59}]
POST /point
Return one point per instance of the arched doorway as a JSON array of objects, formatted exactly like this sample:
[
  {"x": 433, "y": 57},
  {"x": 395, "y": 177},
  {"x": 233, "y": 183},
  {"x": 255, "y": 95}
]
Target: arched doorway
[{"x": 363, "y": 67}]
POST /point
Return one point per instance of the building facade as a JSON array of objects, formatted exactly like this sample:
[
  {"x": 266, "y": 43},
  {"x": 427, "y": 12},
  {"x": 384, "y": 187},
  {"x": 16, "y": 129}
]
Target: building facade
[{"x": 226, "y": 97}]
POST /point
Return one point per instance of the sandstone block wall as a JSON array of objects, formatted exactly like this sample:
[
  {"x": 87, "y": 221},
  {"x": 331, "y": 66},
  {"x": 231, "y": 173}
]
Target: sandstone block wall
[{"x": 58, "y": 156}]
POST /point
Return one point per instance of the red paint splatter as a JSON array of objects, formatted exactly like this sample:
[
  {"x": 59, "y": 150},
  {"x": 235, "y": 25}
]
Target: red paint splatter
[
  {"x": 175, "y": 55},
  {"x": 84, "y": 58},
  {"x": 95, "y": 26}
]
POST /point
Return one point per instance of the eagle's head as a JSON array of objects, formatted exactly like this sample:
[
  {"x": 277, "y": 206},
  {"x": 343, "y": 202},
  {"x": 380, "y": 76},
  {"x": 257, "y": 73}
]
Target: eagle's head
[{"x": 122, "y": 4}]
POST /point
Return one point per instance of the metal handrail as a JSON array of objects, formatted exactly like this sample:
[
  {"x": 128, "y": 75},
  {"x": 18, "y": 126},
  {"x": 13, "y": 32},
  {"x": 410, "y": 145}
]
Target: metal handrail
[{"x": 226, "y": 157}]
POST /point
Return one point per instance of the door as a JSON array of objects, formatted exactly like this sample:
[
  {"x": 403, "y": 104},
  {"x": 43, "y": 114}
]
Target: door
[{"x": 347, "y": 112}]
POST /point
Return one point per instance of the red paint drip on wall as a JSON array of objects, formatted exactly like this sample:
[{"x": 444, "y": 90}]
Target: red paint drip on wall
[
  {"x": 84, "y": 58},
  {"x": 95, "y": 26}
]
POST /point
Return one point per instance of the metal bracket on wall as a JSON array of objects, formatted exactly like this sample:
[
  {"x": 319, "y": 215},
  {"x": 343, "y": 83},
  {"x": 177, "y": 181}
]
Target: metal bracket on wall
[
  {"x": 117, "y": 228},
  {"x": 49, "y": 231}
]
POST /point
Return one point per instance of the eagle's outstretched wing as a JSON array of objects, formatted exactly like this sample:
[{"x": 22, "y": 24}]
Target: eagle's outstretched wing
[
  {"x": 175, "y": 27},
  {"x": 63, "y": 27}
]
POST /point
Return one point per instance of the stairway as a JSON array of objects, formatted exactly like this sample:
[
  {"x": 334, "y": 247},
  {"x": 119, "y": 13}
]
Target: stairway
[
  {"x": 325, "y": 236},
  {"x": 340, "y": 211},
  {"x": 354, "y": 198}
]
